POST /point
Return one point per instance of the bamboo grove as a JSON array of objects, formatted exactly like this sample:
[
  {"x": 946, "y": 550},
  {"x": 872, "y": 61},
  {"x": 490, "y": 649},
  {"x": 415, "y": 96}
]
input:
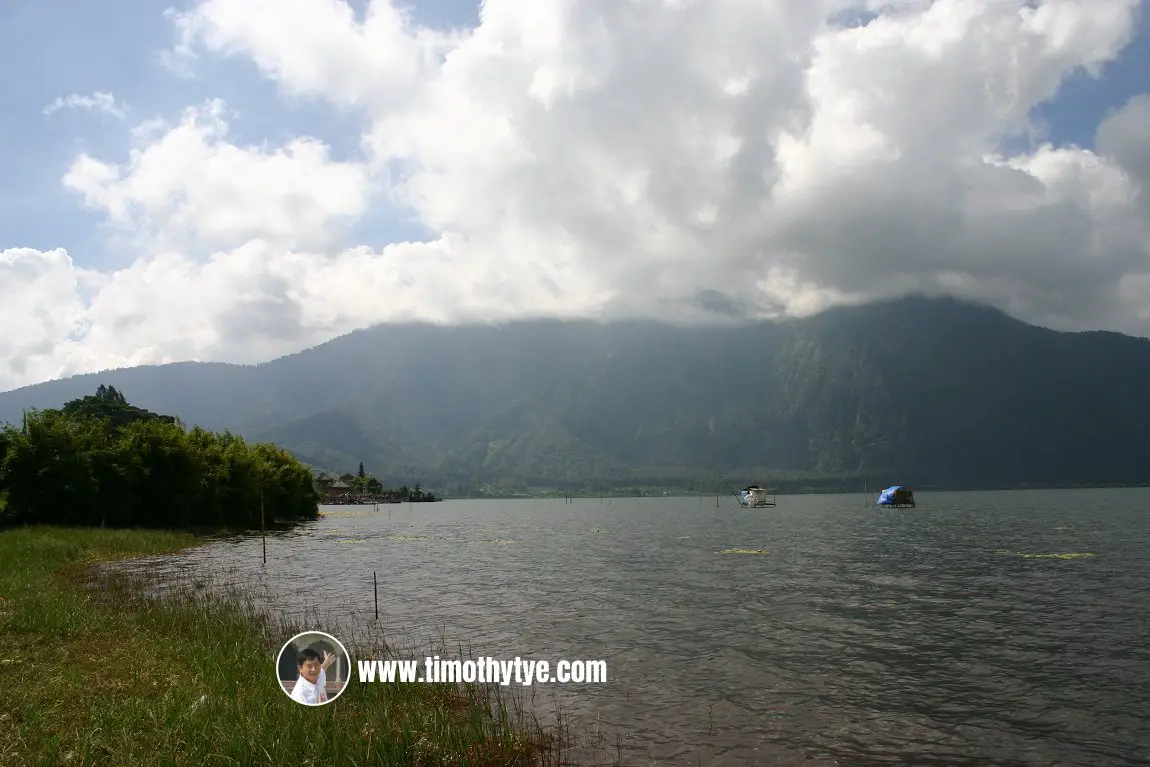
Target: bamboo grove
[{"x": 99, "y": 461}]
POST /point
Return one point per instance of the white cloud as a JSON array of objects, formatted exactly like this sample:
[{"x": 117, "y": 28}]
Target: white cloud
[
  {"x": 189, "y": 187},
  {"x": 1123, "y": 138},
  {"x": 43, "y": 313},
  {"x": 608, "y": 158},
  {"x": 99, "y": 102}
]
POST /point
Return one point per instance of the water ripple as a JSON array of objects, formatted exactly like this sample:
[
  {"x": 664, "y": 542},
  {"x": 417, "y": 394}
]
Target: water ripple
[{"x": 859, "y": 637}]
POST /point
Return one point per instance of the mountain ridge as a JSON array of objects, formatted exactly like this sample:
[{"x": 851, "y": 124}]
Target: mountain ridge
[{"x": 928, "y": 391}]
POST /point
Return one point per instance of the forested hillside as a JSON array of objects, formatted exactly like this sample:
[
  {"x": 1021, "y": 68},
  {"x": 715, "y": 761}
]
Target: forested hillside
[{"x": 924, "y": 391}]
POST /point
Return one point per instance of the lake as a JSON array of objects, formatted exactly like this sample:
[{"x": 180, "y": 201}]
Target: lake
[{"x": 861, "y": 636}]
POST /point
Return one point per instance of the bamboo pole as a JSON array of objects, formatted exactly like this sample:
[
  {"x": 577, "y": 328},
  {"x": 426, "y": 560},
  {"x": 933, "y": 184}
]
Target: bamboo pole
[{"x": 263, "y": 529}]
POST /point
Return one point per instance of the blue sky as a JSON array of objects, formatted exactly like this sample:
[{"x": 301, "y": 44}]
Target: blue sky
[{"x": 113, "y": 46}]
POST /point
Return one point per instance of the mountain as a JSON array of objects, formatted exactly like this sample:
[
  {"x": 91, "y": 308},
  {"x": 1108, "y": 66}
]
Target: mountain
[{"x": 931, "y": 392}]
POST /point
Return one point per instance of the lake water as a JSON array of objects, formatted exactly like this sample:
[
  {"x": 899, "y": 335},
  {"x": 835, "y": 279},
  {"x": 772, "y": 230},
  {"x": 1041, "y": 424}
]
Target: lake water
[{"x": 862, "y": 636}]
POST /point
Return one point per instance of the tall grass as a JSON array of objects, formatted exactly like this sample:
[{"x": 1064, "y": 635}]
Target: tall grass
[{"x": 98, "y": 669}]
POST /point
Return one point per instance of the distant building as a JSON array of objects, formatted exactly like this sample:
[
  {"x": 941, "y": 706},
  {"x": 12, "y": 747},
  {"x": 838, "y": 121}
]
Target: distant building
[
  {"x": 332, "y": 490},
  {"x": 337, "y": 490}
]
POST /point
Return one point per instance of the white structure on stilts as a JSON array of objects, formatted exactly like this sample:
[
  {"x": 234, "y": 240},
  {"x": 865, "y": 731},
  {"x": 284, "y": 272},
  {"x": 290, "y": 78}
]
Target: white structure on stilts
[{"x": 754, "y": 497}]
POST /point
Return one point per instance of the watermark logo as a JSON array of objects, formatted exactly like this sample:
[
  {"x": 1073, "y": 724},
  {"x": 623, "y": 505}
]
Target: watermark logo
[
  {"x": 313, "y": 668},
  {"x": 436, "y": 670}
]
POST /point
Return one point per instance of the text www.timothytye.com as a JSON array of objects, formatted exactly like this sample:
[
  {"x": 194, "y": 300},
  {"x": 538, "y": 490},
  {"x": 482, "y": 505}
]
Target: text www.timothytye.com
[{"x": 485, "y": 670}]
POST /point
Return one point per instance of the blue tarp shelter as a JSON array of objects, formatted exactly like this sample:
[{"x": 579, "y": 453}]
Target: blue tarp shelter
[{"x": 896, "y": 496}]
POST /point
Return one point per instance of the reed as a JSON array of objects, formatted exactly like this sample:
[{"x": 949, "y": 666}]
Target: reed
[{"x": 109, "y": 666}]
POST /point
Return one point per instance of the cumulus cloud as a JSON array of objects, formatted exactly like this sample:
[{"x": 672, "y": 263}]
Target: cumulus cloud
[
  {"x": 190, "y": 187},
  {"x": 43, "y": 313},
  {"x": 1124, "y": 140},
  {"x": 673, "y": 158}
]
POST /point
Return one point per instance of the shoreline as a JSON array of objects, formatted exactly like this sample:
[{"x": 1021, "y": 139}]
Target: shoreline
[
  {"x": 107, "y": 674},
  {"x": 663, "y": 493}
]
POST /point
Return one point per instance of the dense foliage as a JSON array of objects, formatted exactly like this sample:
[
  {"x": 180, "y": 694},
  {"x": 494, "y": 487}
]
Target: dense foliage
[
  {"x": 918, "y": 391},
  {"x": 99, "y": 461}
]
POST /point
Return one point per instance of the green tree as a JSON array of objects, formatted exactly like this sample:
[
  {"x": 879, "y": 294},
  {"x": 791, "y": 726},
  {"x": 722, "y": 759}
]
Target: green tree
[{"x": 101, "y": 461}]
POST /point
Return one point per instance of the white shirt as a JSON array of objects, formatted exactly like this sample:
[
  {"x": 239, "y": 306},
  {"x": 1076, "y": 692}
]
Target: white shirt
[{"x": 310, "y": 694}]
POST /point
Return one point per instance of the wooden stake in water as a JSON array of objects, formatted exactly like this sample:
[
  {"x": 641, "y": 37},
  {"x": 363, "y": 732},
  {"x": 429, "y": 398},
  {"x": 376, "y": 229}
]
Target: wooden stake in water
[
  {"x": 263, "y": 534},
  {"x": 375, "y": 587}
]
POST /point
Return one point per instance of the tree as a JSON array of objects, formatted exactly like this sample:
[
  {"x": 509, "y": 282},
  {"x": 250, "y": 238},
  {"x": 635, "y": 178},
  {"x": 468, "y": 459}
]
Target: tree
[{"x": 101, "y": 461}]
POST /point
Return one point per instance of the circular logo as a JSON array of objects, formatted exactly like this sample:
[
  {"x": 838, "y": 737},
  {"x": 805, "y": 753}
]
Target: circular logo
[{"x": 313, "y": 668}]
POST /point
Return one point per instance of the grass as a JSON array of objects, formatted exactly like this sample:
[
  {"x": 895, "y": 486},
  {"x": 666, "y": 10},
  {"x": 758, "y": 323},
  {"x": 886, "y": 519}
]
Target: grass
[{"x": 107, "y": 675}]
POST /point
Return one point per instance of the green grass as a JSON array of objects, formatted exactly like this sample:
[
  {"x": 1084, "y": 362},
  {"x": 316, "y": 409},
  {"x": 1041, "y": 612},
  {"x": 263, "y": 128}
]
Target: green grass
[{"x": 103, "y": 676}]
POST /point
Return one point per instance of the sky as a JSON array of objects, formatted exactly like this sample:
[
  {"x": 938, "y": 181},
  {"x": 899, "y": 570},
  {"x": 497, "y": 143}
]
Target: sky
[{"x": 235, "y": 180}]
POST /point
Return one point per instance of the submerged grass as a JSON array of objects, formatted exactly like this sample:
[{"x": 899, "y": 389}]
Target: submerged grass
[{"x": 97, "y": 671}]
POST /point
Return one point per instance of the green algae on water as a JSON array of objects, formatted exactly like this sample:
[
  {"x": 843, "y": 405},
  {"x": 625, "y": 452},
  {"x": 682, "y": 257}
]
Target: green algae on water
[{"x": 1076, "y": 555}]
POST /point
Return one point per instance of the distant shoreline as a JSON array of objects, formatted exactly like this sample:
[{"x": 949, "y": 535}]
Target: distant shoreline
[{"x": 668, "y": 492}]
